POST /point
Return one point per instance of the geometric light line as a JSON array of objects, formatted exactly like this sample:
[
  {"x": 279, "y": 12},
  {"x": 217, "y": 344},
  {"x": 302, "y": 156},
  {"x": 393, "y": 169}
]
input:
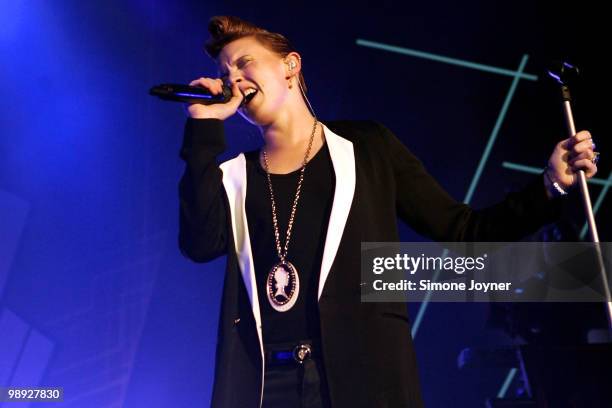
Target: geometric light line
[
  {"x": 481, "y": 164},
  {"x": 14, "y": 334},
  {"x": 522, "y": 167},
  {"x": 507, "y": 382},
  {"x": 539, "y": 170},
  {"x": 600, "y": 199},
  {"x": 34, "y": 359},
  {"x": 446, "y": 60},
  {"x": 498, "y": 123},
  {"x": 19, "y": 355}
]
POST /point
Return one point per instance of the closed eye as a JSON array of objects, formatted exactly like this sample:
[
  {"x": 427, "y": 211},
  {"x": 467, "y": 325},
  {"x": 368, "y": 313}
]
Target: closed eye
[
  {"x": 243, "y": 62},
  {"x": 240, "y": 63}
]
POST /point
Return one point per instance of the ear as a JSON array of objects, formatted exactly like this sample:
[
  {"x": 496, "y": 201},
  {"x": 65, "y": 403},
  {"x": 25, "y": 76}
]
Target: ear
[{"x": 293, "y": 64}]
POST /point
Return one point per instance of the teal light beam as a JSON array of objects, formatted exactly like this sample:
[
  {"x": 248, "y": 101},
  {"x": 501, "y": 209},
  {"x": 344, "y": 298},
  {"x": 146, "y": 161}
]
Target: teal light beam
[
  {"x": 603, "y": 182},
  {"x": 507, "y": 382},
  {"x": 446, "y": 60},
  {"x": 597, "y": 204},
  {"x": 493, "y": 137},
  {"x": 522, "y": 167},
  {"x": 538, "y": 170},
  {"x": 476, "y": 178}
]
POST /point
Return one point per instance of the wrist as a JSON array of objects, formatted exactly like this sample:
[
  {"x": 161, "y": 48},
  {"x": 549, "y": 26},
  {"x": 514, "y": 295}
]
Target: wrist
[{"x": 553, "y": 188}]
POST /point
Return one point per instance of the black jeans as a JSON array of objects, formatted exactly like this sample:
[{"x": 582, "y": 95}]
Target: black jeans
[{"x": 295, "y": 385}]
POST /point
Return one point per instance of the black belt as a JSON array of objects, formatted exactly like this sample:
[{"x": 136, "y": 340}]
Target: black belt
[{"x": 292, "y": 352}]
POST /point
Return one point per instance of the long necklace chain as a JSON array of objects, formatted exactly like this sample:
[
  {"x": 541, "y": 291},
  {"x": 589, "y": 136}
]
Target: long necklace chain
[{"x": 282, "y": 254}]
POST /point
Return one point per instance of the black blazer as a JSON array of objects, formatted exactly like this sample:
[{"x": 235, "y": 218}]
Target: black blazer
[{"x": 367, "y": 347}]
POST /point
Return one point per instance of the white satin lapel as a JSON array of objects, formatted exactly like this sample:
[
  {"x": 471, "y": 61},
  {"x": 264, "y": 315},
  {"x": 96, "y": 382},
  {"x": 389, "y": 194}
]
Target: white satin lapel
[
  {"x": 343, "y": 160},
  {"x": 235, "y": 183}
]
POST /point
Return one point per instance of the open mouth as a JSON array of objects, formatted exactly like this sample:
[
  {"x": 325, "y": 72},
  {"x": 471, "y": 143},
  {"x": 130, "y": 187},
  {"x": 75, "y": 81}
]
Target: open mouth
[{"x": 249, "y": 94}]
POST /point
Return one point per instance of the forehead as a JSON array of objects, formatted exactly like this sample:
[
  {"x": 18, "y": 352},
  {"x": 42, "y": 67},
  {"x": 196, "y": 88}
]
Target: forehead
[{"x": 240, "y": 47}]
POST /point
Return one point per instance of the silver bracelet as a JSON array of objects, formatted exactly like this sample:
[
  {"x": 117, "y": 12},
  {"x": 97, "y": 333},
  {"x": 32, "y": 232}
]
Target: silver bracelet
[{"x": 560, "y": 190}]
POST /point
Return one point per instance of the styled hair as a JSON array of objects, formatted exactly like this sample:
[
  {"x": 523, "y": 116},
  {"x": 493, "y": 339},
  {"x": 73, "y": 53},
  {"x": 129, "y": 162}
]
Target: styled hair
[{"x": 225, "y": 29}]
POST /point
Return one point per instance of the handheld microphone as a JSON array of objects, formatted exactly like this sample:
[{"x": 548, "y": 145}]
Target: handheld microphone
[{"x": 189, "y": 94}]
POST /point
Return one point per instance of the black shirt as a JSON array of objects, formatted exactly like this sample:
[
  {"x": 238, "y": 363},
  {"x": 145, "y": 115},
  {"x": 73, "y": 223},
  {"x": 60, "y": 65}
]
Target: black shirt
[{"x": 307, "y": 240}]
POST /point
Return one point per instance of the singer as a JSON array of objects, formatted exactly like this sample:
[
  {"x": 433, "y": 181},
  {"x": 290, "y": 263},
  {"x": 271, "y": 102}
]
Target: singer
[{"x": 290, "y": 218}]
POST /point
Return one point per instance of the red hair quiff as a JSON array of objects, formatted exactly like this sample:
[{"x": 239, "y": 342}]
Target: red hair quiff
[{"x": 225, "y": 29}]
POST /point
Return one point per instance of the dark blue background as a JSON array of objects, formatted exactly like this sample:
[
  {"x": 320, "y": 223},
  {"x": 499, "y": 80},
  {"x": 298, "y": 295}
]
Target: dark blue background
[{"x": 94, "y": 294}]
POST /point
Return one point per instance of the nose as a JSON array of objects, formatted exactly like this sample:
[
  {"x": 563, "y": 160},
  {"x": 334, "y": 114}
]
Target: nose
[{"x": 234, "y": 77}]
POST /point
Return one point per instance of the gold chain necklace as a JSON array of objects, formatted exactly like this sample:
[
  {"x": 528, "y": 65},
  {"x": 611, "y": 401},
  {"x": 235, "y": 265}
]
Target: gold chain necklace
[{"x": 283, "y": 282}]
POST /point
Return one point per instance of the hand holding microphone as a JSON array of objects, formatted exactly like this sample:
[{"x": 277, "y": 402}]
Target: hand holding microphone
[
  {"x": 220, "y": 111},
  {"x": 207, "y": 98}
]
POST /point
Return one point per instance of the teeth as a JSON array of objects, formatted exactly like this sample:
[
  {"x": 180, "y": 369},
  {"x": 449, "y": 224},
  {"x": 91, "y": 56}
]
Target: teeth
[{"x": 248, "y": 95}]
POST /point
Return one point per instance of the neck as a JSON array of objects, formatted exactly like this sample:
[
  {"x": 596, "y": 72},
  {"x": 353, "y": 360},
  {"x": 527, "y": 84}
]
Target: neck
[{"x": 291, "y": 129}]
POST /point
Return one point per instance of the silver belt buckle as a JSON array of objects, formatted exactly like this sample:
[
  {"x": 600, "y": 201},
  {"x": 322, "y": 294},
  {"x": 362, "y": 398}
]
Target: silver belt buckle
[{"x": 302, "y": 352}]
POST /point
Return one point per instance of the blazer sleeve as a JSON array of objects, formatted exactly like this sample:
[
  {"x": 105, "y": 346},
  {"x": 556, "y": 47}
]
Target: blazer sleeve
[
  {"x": 424, "y": 205},
  {"x": 203, "y": 204}
]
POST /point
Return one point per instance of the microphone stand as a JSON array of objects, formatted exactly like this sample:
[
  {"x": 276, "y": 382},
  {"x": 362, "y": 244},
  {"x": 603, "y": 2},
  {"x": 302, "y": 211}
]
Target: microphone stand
[{"x": 561, "y": 77}]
